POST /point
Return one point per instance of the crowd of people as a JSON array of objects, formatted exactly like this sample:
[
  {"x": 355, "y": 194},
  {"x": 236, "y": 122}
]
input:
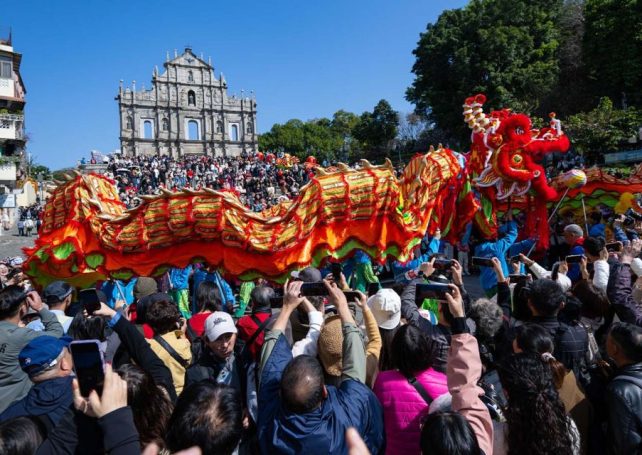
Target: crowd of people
[
  {"x": 351, "y": 358},
  {"x": 257, "y": 180}
]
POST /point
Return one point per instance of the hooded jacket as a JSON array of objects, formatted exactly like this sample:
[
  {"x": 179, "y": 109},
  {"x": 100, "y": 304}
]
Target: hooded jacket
[
  {"x": 52, "y": 398},
  {"x": 624, "y": 399}
]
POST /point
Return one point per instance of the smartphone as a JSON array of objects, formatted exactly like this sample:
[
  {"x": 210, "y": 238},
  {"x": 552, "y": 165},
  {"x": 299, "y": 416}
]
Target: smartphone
[
  {"x": 88, "y": 298},
  {"x": 351, "y": 296},
  {"x": 88, "y": 365},
  {"x": 314, "y": 289},
  {"x": 514, "y": 260},
  {"x": 574, "y": 258},
  {"x": 517, "y": 278},
  {"x": 435, "y": 291},
  {"x": 482, "y": 262},
  {"x": 614, "y": 247},
  {"x": 442, "y": 264},
  {"x": 373, "y": 288},
  {"x": 437, "y": 256},
  {"x": 276, "y": 302},
  {"x": 337, "y": 270}
]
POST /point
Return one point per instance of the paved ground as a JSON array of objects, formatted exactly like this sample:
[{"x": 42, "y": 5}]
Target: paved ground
[{"x": 11, "y": 244}]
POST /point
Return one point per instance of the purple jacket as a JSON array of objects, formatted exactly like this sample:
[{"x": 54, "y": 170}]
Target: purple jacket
[{"x": 403, "y": 407}]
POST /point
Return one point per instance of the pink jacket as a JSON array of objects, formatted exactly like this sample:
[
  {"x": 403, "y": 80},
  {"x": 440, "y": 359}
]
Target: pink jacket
[
  {"x": 403, "y": 407},
  {"x": 464, "y": 370}
]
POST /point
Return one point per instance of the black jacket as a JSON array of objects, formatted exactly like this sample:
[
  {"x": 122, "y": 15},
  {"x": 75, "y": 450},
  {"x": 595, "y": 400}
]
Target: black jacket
[
  {"x": 620, "y": 294},
  {"x": 571, "y": 343},
  {"x": 208, "y": 366},
  {"x": 624, "y": 403},
  {"x": 439, "y": 335},
  {"x": 138, "y": 350}
]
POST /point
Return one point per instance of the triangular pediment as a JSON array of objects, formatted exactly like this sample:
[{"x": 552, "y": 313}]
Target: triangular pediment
[{"x": 189, "y": 59}]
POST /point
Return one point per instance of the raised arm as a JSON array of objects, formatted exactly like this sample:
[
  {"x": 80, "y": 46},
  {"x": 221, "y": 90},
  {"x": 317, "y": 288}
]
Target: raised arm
[{"x": 463, "y": 371}]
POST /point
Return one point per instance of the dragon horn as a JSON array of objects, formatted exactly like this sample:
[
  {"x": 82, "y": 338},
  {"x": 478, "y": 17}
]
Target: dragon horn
[
  {"x": 320, "y": 171},
  {"x": 431, "y": 148},
  {"x": 387, "y": 164},
  {"x": 344, "y": 167},
  {"x": 76, "y": 171},
  {"x": 366, "y": 164}
]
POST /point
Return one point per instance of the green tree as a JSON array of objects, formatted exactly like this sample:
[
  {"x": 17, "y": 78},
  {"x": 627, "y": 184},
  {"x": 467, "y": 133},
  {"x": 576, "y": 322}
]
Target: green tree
[
  {"x": 503, "y": 48},
  {"x": 377, "y": 130},
  {"x": 613, "y": 49},
  {"x": 602, "y": 130}
]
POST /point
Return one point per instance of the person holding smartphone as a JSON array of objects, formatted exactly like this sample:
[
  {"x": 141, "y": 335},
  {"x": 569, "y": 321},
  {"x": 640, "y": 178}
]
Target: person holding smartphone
[
  {"x": 14, "y": 304},
  {"x": 496, "y": 248}
]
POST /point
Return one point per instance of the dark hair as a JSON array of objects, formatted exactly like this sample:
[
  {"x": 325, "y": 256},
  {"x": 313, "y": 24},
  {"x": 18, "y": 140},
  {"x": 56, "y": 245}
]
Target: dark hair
[
  {"x": 21, "y": 436},
  {"x": 411, "y": 351},
  {"x": 546, "y": 296},
  {"x": 595, "y": 216},
  {"x": 261, "y": 296},
  {"x": 208, "y": 297},
  {"x": 150, "y": 404},
  {"x": 11, "y": 299},
  {"x": 537, "y": 420},
  {"x": 593, "y": 245},
  {"x": 386, "y": 358},
  {"x": 302, "y": 384},
  {"x": 629, "y": 339},
  {"x": 535, "y": 339},
  {"x": 90, "y": 328},
  {"x": 446, "y": 433},
  {"x": 521, "y": 292},
  {"x": 595, "y": 303},
  {"x": 206, "y": 415},
  {"x": 162, "y": 317}
]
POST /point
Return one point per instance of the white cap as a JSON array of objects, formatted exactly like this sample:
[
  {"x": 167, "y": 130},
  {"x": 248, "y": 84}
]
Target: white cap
[
  {"x": 217, "y": 324},
  {"x": 386, "y": 308},
  {"x": 636, "y": 266}
]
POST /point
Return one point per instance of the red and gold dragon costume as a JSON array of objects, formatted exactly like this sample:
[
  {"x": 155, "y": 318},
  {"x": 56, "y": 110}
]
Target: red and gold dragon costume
[
  {"x": 87, "y": 235},
  {"x": 504, "y": 163}
]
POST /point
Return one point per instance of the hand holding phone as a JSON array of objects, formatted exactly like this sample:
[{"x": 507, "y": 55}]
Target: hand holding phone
[
  {"x": 88, "y": 365},
  {"x": 482, "y": 262},
  {"x": 112, "y": 397},
  {"x": 436, "y": 291},
  {"x": 89, "y": 300},
  {"x": 574, "y": 258}
]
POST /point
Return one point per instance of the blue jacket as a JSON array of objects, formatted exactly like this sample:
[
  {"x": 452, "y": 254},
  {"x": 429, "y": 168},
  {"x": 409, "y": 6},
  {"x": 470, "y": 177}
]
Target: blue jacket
[
  {"x": 115, "y": 290},
  {"x": 496, "y": 249},
  {"x": 321, "y": 431},
  {"x": 574, "y": 269},
  {"x": 52, "y": 398},
  {"x": 399, "y": 269},
  {"x": 224, "y": 289},
  {"x": 597, "y": 230},
  {"x": 180, "y": 277}
]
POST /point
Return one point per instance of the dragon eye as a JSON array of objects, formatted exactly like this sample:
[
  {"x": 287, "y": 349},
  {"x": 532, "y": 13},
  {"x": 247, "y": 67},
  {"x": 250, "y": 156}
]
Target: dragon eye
[{"x": 519, "y": 130}]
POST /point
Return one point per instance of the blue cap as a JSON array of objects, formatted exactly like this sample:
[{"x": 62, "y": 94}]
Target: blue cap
[
  {"x": 41, "y": 352},
  {"x": 57, "y": 292}
]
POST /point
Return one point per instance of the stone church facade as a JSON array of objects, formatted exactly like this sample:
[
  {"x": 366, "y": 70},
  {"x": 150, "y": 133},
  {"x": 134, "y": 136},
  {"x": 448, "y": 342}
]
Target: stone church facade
[{"x": 187, "y": 111}]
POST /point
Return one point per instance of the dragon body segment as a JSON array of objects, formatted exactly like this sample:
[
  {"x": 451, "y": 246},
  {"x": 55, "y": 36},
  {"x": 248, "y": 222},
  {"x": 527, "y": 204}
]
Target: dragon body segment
[{"x": 87, "y": 235}]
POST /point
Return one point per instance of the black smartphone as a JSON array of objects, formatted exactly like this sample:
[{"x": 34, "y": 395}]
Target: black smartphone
[
  {"x": 614, "y": 247},
  {"x": 442, "y": 264},
  {"x": 314, "y": 289},
  {"x": 437, "y": 256},
  {"x": 276, "y": 302},
  {"x": 517, "y": 278},
  {"x": 351, "y": 296},
  {"x": 88, "y": 298},
  {"x": 337, "y": 270},
  {"x": 574, "y": 258},
  {"x": 482, "y": 262},
  {"x": 373, "y": 288},
  {"x": 514, "y": 260},
  {"x": 435, "y": 291},
  {"x": 88, "y": 365}
]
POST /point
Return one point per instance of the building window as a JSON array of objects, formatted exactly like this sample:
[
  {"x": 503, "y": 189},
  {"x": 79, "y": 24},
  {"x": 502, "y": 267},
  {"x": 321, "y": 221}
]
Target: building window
[
  {"x": 148, "y": 129},
  {"x": 234, "y": 132},
  {"x": 130, "y": 123},
  {"x": 165, "y": 124},
  {"x": 190, "y": 76},
  {"x": 191, "y": 98},
  {"x": 219, "y": 127},
  {"x": 5, "y": 124},
  {"x": 192, "y": 131},
  {"x": 5, "y": 70},
  {"x": 249, "y": 128}
]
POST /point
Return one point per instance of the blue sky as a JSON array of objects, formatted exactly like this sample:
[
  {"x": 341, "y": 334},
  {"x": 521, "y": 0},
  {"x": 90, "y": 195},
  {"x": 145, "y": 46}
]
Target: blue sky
[{"x": 304, "y": 59}]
